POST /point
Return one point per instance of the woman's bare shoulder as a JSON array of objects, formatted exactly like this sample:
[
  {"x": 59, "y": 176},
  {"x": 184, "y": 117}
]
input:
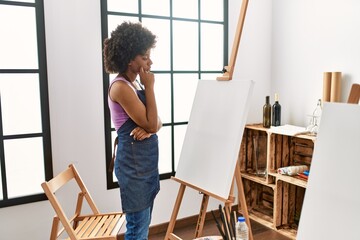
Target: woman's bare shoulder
[{"x": 120, "y": 89}]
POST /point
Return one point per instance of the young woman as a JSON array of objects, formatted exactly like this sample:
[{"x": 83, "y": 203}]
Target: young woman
[{"x": 134, "y": 115}]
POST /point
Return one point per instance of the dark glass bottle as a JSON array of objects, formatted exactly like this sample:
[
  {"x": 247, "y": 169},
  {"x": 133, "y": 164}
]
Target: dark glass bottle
[
  {"x": 267, "y": 113},
  {"x": 276, "y": 112}
]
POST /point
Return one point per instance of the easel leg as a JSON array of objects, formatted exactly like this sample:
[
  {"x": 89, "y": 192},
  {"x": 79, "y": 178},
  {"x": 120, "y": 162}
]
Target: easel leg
[
  {"x": 202, "y": 214},
  {"x": 175, "y": 211},
  {"x": 231, "y": 200},
  {"x": 242, "y": 199}
]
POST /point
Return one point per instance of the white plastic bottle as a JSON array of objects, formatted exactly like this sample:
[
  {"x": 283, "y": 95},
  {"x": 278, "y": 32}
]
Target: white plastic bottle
[{"x": 242, "y": 230}]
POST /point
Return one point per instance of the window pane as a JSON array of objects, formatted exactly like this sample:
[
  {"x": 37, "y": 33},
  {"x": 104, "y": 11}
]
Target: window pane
[
  {"x": 160, "y": 55},
  {"x": 179, "y": 132},
  {"x": 113, "y": 136},
  {"x": 123, "y": 6},
  {"x": 212, "y": 51},
  {"x": 185, "y": 9},
  {"x": 18, "y": 41},
  {"x": 158, "y": 7},
  {"x": 212, "y": 10},
  {"x": 112, "y": 76},
  {"x": 186, "y": 45},
  {"x": 184, "y": 92},
  {"x": 20, "y": 103},
  {"x": 163, "y": 96},
  {"x": 164, "y": 150},
  {"x": 24, "y": 171},
  {"x": 114, "y": 21}
]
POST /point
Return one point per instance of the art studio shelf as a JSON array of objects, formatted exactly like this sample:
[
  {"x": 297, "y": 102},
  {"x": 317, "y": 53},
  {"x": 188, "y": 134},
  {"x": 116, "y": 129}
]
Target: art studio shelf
[
  {"x": 273, "y": 199},
  {"x": 289, "y": 179},
  {"x": 254, "y": 178}
]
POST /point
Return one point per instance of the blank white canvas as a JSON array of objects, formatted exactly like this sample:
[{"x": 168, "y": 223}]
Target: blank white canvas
[
  {"x": 331, "y": 208},
  {"x": 214, "y": 133}
]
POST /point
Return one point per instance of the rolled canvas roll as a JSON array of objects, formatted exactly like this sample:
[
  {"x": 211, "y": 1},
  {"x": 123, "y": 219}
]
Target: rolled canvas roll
[
  {"x": 335, "y": 87},
  {"x": 292, "y": 170},
  {"x": 326, "y": 86}
]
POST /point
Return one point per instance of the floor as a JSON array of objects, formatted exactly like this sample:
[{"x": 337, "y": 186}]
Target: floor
[{"x": 260, "y": 232}]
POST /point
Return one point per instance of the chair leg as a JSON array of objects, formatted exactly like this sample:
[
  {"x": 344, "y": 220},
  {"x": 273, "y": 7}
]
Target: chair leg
[{"x": 54, "y": 229}]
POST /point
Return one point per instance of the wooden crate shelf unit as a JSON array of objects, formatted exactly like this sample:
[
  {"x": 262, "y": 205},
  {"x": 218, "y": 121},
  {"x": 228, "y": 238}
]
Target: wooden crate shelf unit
[{"x": 273, "y": 199}]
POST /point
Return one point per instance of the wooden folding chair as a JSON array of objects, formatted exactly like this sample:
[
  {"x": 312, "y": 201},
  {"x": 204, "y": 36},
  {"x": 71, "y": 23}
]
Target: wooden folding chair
[
  {"x": 94, "y": 226},
  {"x": 354, "y": 95}
]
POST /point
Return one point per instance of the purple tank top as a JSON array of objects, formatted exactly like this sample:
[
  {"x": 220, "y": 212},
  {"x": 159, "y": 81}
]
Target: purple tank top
[{"x": 117, "y": 112}]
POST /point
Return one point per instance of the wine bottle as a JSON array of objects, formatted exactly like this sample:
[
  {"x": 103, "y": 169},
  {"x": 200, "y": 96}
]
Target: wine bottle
[
  {"x": 276, "y": 112},
  {"x": 267, "y": 113}
]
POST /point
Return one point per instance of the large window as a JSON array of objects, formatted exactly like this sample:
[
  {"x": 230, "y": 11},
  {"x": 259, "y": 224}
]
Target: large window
[
  {"x": 191, "y": 45},
  {"x": 25, "y": 148}
]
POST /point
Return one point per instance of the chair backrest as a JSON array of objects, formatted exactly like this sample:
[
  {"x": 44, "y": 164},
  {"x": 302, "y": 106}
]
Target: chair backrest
[
  {"x": 354, "y": 95},
  {"x": 52, "y": 186}
]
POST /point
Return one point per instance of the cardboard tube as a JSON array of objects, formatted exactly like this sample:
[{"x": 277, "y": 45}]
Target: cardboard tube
[
  {"x": 326, "y": 87},
  {"x": 335, "y": 87}
]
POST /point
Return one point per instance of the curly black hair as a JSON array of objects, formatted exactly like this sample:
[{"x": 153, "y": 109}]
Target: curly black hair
[{"x": 126, "y": 42}]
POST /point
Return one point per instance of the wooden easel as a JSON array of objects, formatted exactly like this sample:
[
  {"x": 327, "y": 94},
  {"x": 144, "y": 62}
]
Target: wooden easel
[
  {"x": 206, "y": 195},
  {"x": 229, "y": 70},
  {"x": 237, "y": 174}
]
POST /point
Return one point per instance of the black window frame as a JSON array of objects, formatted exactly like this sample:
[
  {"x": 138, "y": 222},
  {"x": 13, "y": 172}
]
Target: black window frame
[{"x": 44, "y": 102}]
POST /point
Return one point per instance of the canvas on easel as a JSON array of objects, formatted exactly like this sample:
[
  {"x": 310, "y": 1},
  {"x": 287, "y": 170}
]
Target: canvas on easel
[
  {"x": 209, "y": 156},
  {"x": 214, "y": 133}
]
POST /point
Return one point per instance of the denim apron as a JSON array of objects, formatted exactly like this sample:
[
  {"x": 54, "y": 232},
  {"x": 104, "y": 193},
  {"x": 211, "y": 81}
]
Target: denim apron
[{"x": 136, "y": 167}]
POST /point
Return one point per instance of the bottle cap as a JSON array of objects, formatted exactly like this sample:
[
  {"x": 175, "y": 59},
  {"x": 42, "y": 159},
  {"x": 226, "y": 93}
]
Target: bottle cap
[
  {"x": 276, "y": 97},
  {"x": 241, "y": 219}
]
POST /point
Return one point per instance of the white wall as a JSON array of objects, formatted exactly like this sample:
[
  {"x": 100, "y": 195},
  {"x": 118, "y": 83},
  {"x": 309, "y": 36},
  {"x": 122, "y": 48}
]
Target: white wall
[
  {"x": 284, "y": 56},
  {"x": 309, "y": 38},
  {"x": 254, "y": 55}
]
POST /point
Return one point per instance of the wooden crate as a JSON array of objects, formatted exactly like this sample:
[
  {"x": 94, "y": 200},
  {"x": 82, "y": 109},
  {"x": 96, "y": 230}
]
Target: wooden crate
[
  {"x": 247, "y": 153},
  {"x": 289, "y": 199},
  {"x": 260, "y": 201},
  {"x": 289, "y": 151},
  {"x": 302, "y": 151}
]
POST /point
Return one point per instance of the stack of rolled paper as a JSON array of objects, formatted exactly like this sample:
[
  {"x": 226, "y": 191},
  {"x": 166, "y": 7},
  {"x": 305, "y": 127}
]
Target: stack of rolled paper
[{"x": 332, "y": 87}]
